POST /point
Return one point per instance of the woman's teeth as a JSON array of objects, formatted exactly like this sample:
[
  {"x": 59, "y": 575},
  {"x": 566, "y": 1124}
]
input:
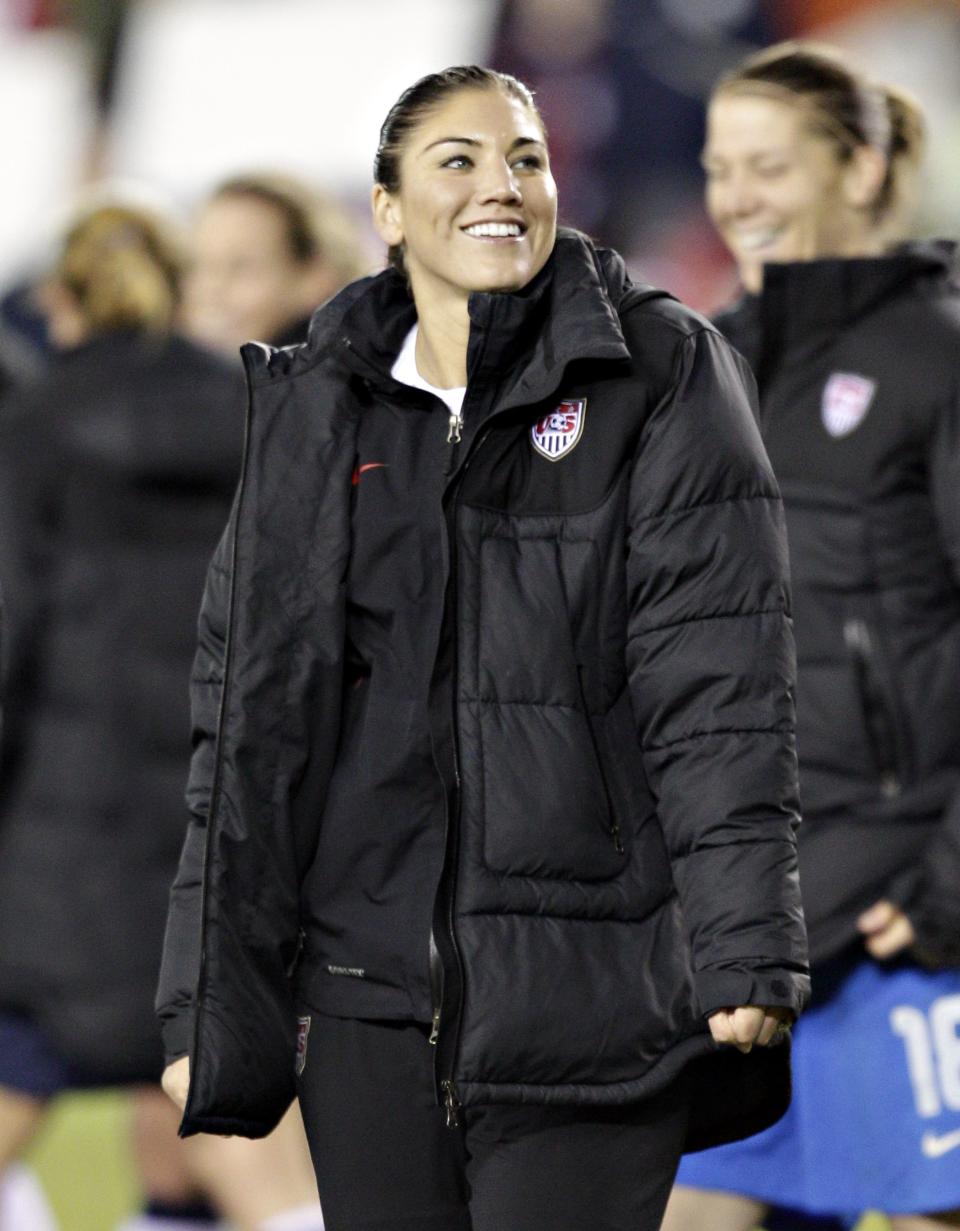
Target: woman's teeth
[
  {"x": 751, "y": 240},
  {"x": 494, "y": 230}
]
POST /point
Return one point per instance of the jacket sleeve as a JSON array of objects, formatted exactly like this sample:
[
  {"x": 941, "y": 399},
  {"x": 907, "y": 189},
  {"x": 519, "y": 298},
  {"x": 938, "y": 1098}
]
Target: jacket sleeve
[
  {"x": 928, "y": 892},
  {"x": 712, "y": 670},
  {"x": 181, "y": 951}
]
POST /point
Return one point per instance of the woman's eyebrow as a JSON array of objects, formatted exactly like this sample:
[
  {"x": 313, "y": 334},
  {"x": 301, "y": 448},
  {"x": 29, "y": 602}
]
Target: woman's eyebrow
[
  {"x": 474, "y": 142},
  {"x": 450, "y": 140}
]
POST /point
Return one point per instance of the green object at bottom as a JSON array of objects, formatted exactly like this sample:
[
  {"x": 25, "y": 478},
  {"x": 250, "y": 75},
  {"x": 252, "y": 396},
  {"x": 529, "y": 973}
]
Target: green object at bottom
[{"x": 83, "y": 1160}]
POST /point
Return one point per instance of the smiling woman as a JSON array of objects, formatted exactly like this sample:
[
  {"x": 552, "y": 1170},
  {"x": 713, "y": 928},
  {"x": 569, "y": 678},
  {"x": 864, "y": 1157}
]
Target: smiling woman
[
  {"x": 855, "y": 338},
  {"x": 489, "y": 846}
]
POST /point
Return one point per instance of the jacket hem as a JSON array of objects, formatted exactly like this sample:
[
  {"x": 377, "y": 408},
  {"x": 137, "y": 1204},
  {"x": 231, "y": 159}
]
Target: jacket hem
[
  {"x": 226, "y": 1126},
  {"x": 633, "y": 1090}
]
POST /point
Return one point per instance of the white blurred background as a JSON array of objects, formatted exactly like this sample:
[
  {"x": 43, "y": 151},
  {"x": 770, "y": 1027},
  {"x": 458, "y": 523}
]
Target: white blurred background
[{"x": 171, "y": 95}]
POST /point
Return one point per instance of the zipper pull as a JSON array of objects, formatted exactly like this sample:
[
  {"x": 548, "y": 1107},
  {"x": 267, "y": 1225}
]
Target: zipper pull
[
  {"x": 889, "y": 786},
  {"x": 452, "y": 1104},
  {"x": 617, "y": 839},
  {"x": 453, "y": 430},
  {"x": 435, "y": 1028}
]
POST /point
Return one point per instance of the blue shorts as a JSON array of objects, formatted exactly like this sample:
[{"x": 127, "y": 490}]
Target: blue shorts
[
  {"x": 29, "y": 1065},
  {"x": 875, "y": 1117}
]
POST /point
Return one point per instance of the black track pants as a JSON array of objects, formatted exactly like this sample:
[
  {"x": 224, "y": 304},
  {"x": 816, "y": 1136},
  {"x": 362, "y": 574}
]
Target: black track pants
[{"x": 386, "y": 1161}]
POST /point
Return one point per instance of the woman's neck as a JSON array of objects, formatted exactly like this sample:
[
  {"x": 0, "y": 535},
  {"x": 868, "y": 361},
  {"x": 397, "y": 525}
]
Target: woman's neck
[
  {"x": 442, "y": 337},
  {"x": 865, "y": 242}
]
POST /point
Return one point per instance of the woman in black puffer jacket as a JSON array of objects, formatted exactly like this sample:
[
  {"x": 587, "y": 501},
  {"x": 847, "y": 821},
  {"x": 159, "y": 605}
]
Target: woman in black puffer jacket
[
  {"x": 493, "y": 784},
  {"x": 856, "y": 348}
]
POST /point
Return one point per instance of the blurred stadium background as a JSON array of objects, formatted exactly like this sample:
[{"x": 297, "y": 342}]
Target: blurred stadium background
[{"x": 168, "y": 96}]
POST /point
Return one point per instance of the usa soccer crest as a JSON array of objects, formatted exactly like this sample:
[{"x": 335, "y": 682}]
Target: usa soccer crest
[
  {"x": 558, "y": 432},
  {"x": 846, "y": 400}
]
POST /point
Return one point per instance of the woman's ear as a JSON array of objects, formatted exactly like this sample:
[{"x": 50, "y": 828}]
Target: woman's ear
[
  {"x": 863, "y": 176},
  {"x": 386, "y": 216}
]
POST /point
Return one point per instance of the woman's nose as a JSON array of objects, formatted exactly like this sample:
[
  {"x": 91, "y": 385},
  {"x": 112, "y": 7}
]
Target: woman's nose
[
  {"x": 740, "y": 195},
  {"x": 501, "y": 184}
]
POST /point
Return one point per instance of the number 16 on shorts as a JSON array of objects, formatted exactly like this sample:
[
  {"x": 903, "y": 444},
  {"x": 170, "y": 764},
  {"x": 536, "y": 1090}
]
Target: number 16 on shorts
[{"x": 932, "y": 1042}]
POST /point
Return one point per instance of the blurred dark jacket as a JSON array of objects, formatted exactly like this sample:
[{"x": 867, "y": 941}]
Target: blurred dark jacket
[
  {"x": 858, "y": 364},
  {"x": 117, "y": 470}
]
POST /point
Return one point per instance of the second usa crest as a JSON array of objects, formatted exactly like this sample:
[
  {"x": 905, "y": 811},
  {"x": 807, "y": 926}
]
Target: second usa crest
[
  {"x": 846, "y": 400},
  {"x": 557, "y": 433}
]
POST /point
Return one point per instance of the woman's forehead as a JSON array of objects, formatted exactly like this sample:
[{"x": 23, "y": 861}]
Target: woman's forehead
[
  {"x": 477, "y": 114},
  {"x": 749, "y": 118}
]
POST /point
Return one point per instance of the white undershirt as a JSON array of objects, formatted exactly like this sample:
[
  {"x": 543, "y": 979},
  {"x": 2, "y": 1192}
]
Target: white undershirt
[{"x": 405, "y": 370}]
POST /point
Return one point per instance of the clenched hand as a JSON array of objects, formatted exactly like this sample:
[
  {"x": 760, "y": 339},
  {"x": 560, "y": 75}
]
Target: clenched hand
[
  {"x": 749, "y": 1024},
  {"x": 176, "y": 1081}
]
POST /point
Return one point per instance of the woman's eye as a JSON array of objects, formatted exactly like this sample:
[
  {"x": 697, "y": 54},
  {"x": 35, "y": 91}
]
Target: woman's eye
[
  {"x": 457, "y": 162},
  {"x": 529, "y": 162},
  {"x": 770, "y": 171}
]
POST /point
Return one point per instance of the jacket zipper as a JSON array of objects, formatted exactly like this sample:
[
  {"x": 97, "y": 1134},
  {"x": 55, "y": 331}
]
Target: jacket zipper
[
  {"x": 448, "y": 1043},
  {"x": 447, "y": 1040},
  {"x": 451, "y": 1103},
  {"x": 613, "y": 825},
  {"x": 298, "y": 953},
  {"x": 436, "y": 989},
  {"x": 881, "y": 732}
]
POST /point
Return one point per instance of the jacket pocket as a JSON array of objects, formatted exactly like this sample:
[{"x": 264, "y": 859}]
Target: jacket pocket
[
  {"x": 878, "y": 718},
  {"x": 545, "y": 813},
  {"x": 612, "y": 826}
]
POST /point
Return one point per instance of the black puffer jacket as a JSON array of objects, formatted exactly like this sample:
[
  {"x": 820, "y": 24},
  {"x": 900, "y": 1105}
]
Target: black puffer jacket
[
  {"x": 116, "y": 474},
  {"x": 568, "y": 690},
  {"x": 858, "y": 363}
]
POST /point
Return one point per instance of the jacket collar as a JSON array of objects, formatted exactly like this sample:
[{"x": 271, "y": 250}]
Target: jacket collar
[
  {"x": 567, "y": 313},
  {"x": 803, "y": 297},
  {"x": 523, "y": 340}
]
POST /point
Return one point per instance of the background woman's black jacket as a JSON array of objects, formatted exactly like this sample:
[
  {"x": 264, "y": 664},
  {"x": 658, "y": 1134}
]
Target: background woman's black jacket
[
  {"x": 873, "y": 516},
  {"x": 557, "y": 691},
  {"x": 116, "y": 474}
]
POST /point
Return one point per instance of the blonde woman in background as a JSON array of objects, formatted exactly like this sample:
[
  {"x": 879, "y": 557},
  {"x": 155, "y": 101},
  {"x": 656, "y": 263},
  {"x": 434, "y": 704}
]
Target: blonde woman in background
[
  {"x": 856, "y": 348},
  {"x": 267, "y": 251},
  {"x": 117, "y": 469}
]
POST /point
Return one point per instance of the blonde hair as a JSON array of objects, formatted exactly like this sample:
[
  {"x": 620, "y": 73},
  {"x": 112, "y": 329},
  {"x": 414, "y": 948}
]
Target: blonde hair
[
  {"x": 122, "y": 266},
  {"x": 842, "y": 104}
]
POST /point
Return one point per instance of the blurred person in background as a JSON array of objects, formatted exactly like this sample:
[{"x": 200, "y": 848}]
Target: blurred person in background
[
  {"x": 117, "y": 468},
  {"x": 428, "y": 881},
  {"x": 856, "y": 347},
  {"x": 267, "y": 250}
]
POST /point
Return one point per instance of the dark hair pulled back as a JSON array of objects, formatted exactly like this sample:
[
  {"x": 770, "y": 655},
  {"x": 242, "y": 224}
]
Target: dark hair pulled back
[
  {"x": 842, "y": 104},
  {"x": 414, "y": 103}
]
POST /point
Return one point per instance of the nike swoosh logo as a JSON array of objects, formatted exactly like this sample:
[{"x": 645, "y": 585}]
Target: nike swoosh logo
[
  {"x": 364, "y": 468},
  {"x": 935, "y": 1147}
]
